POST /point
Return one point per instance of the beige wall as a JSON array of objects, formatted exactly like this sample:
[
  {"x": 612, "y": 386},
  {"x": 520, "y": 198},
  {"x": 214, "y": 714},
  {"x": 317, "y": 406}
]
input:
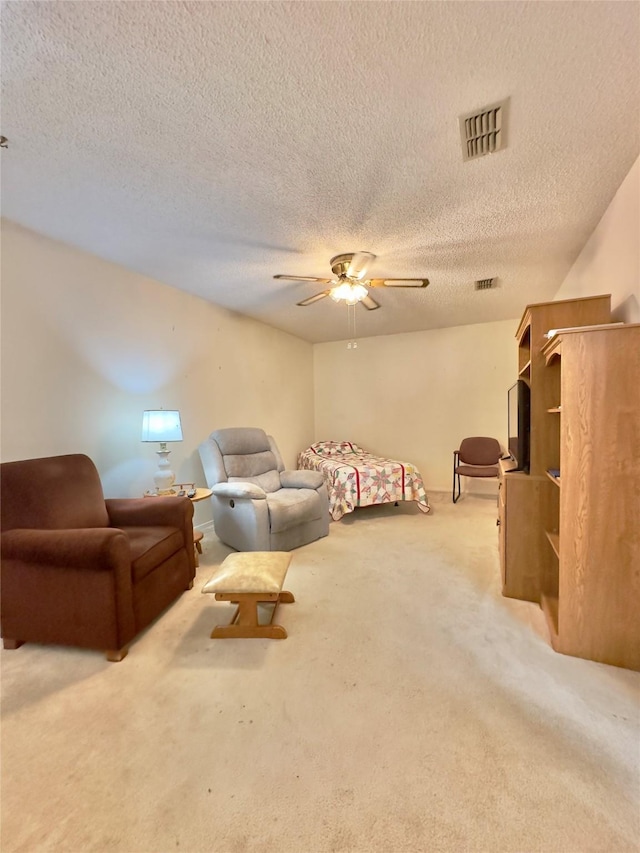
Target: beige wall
[
  {"x": 88, "y": 345},
  {"x": 610, "y": 260},
  {"x": 415, "y": 396}
]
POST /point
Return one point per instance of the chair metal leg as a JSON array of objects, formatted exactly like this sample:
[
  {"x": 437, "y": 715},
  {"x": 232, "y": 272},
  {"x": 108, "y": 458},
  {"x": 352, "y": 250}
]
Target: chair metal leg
[
  {"x": 456, "y": 497},
  {"x": 455, "y": 464}
]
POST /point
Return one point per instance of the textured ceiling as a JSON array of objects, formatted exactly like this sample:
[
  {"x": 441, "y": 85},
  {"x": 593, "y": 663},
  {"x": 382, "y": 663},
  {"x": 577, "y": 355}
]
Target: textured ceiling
[{"x": 211, "y": 145}]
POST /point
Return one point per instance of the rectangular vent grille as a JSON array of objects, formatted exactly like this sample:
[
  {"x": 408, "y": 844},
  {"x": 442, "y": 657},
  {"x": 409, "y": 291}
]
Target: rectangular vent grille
[
  {"x": 484, "y": 131},
  {"x": 485, "y": 283}
]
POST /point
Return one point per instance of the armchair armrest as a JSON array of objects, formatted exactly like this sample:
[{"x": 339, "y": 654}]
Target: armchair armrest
[
  {"x": 149, "y": 512},
  {"x": 239, "y": 490},
  {"x": 94, "y": 548},
  {"x": 301, "y": 479}
]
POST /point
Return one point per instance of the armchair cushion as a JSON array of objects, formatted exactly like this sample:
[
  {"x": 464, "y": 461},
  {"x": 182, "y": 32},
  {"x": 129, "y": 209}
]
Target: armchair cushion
[
  {"x": 147, "y": 523},
  {"x": 268, "y": 482},
  {"x": 151, "y": 546},
  {"x": 290, "y": 507},
  {"x": 241, "y": 441},
  {"x": 57, "y": 492},
  {"x": 301, "y": 479},
  {"x": 250, "y": 465}
]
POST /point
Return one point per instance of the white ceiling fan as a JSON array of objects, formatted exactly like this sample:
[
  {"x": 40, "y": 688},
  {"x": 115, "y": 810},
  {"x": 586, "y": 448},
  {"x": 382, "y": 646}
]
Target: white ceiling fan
[{"x": 350, "y": 284}]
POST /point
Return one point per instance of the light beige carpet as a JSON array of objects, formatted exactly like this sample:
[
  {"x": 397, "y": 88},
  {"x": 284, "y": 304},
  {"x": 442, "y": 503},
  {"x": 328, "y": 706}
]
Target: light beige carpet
[{"x": 412, "y": 708}]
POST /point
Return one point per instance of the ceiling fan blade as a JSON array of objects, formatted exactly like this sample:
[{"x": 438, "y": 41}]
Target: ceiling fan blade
[
  {"x": 399, "y": 282},
  {"x": 359, "y": 263},
  {"x": 303, "y": 278},
  {"x": 369, "y": 303},
  {"x": 311, "y": 299}
]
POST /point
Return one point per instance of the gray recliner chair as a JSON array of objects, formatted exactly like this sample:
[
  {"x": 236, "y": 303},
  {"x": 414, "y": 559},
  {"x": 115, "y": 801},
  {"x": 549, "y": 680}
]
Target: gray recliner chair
[{"x": 257, "y": 505}]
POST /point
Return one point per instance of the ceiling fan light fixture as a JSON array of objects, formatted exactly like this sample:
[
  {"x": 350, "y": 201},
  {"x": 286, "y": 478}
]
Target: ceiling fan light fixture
[
  {"x": 349, "y": 284},
  {"x": 349, "y": 292}
]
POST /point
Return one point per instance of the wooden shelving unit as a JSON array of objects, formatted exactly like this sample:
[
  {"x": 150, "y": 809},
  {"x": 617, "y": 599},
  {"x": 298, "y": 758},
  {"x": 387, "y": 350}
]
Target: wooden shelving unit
[
  {"x": 572, "y": 543},
  {"x": 530, "y": 503},
  {"x": 544, "y": 381},
  {"x": 597, "y": 615}
]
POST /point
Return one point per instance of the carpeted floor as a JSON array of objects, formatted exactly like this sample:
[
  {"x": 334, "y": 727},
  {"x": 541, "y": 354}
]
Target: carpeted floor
[{"x": 412, "y": 708}]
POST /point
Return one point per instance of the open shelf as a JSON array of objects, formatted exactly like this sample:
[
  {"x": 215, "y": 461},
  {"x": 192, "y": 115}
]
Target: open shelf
[
  {"x": 554, "y": 539},
  {"x": 524, "y": 348}
]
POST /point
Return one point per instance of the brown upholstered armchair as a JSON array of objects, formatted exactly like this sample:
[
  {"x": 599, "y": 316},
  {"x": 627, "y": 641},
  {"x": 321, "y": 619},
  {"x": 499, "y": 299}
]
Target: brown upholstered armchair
[{"x": 80, "y": 570}]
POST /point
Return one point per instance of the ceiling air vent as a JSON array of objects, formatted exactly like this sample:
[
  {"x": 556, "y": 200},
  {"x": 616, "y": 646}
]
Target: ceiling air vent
[
  {"x": 485, "y": 283},
  {"x": 484, "y": 131}
]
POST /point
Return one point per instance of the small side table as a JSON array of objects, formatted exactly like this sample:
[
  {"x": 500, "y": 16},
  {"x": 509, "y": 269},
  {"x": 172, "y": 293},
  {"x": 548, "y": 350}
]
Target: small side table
[{"x": 200, "y": 495}]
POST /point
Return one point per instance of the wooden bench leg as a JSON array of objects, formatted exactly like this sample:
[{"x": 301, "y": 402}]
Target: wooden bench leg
[
  {"x": 245, "y": 623},
  {"x": 229, "y": 632},
  {"x": 197, "y": 547},
  {"x": 286, "y": 597}
]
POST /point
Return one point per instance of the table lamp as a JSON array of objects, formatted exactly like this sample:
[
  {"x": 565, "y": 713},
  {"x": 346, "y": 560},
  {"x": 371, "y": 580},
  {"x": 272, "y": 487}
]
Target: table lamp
[{"x": 163, "y": 426}]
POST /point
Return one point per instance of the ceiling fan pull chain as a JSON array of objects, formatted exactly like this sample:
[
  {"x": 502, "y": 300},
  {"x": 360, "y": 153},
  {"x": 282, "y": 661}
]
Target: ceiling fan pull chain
[
  {"x": 351, "y": 327},
  {"x": 353, "y": 315}
]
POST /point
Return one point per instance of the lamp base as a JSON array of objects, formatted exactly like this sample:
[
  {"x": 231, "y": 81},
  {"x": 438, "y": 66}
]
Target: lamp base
[{"x": 164, "y": 477}]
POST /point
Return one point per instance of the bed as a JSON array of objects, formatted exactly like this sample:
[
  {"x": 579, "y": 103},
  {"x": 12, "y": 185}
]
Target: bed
[{"x": 356, "y": 478}]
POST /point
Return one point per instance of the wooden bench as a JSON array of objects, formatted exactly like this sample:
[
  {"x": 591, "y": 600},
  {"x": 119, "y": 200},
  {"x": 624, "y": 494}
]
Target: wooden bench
[{"x": 247, "y": 579}]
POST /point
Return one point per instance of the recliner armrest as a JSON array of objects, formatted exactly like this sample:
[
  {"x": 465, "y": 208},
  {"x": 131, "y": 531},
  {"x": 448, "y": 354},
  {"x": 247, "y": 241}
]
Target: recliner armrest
[
  {"x": 149, "y": 512},
  {"x": 301, "y": 479},
  {"x": 239, "y": 490},
  {"x": 92, "y": 548}
]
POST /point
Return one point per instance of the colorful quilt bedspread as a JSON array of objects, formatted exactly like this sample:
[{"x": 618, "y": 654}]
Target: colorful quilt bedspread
[{"x": 356, "y": 478}]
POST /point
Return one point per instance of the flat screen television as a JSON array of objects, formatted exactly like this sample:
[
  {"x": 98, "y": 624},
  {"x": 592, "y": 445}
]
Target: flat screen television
[{"x": 519, "y": 425}]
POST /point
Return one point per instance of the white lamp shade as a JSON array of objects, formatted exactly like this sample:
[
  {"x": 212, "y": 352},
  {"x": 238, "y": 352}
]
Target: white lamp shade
[{"x": 161, "y": 425}]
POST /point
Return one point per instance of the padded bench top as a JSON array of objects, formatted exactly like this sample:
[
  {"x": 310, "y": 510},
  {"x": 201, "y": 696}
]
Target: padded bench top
[{"x": 250, "y": 572}]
